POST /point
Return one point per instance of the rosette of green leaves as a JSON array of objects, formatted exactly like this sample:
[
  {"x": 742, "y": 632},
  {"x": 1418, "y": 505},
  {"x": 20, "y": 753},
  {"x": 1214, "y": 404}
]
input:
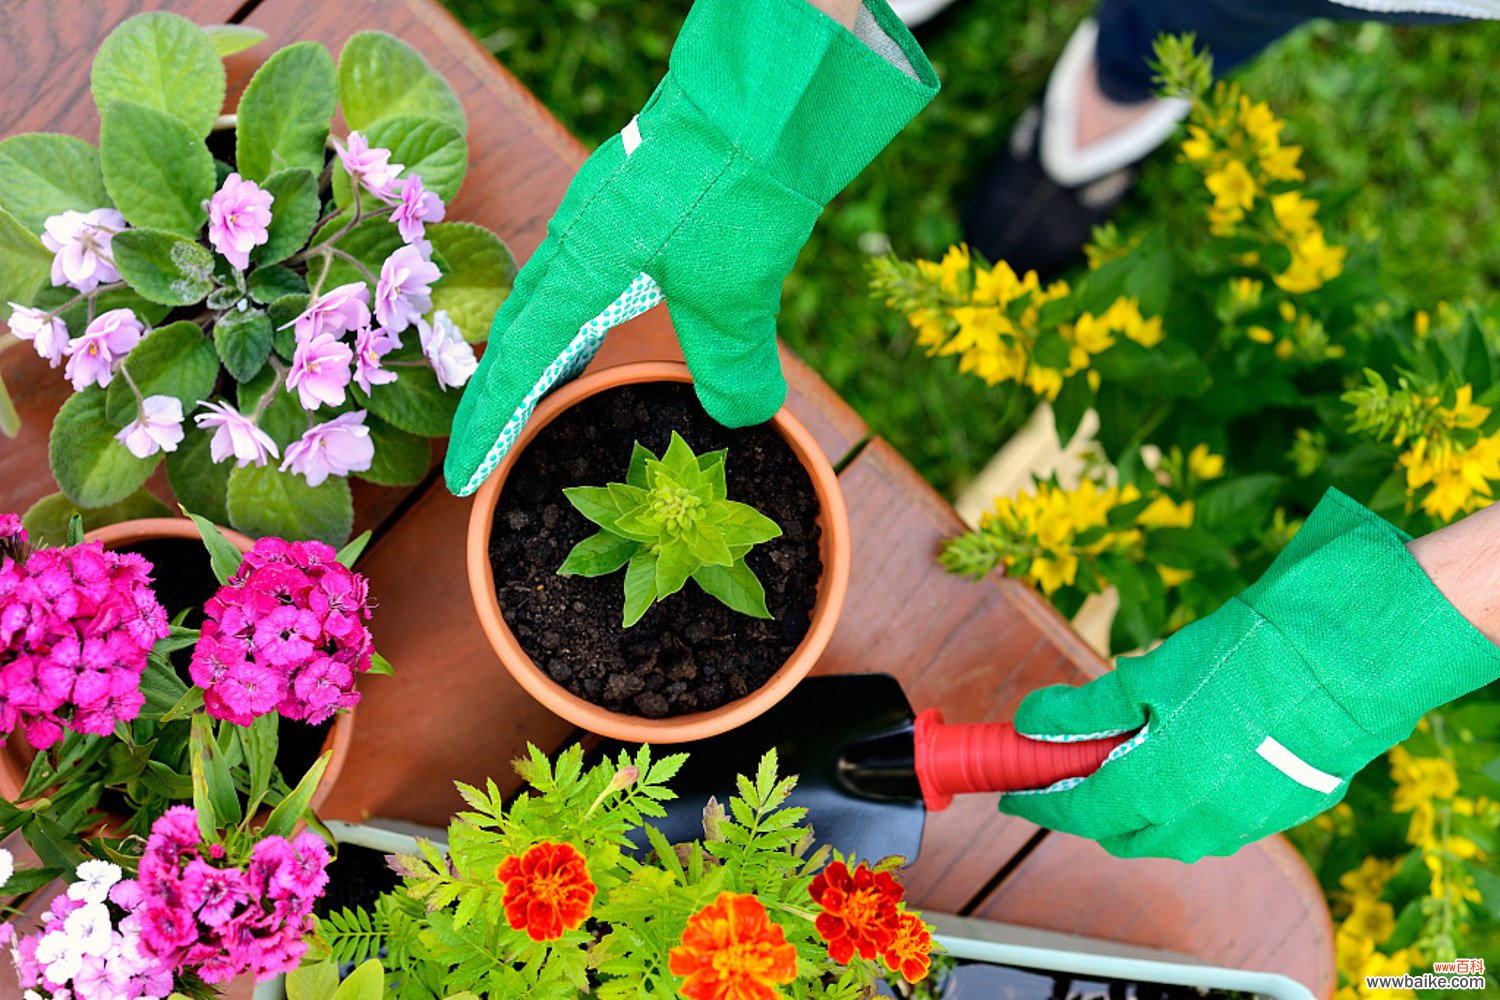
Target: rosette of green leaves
[
  {"x": 214, "y": 332},
  {"x": 671, "y": 521}
]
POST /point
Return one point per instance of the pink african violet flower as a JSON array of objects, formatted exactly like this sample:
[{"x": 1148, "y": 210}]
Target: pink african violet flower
[
  {"x": 235, "y": 434},
  {"x": 451, "y": 356},
  {"x": 201, "y": 913},
  {"x": 47, "y": 333},
  {"x": 416, "y": 207},
  {"x": 320, "y": 371},
  {"x": 404, "y": 291},
  {"x": 238, "y": 215},
  {"x": 370, "y": 166},
  {"x": 105, "y": 341},
  {"x": 345, "y": 308},
  {"x": 80, "y": 243},
  {"x": 287, "y": 633},
  {"x": 157, "y": 428},
  {"x": 335, "y": 447},
  {"x": 370, "y": 345},
  {"x": 76, "y": 625}
]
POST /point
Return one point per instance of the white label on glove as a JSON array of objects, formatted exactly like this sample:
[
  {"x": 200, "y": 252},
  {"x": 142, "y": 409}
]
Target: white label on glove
[
  {"x": 1296, "y": 768},
  {"x": 630, "y": 135}
]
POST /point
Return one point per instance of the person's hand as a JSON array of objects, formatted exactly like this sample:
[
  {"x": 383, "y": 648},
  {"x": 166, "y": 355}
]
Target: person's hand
[
  {"x": 1256, "y": 717},
  {"x": 769, "y": 108}
]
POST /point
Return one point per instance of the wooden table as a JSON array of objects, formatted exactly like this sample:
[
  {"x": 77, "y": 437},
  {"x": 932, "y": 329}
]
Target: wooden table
[{"x": 972, "y": 649}]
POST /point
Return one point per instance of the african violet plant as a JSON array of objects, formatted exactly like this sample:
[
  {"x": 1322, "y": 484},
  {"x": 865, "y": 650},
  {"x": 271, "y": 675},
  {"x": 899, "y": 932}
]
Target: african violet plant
[
  {"x": 671, "y": 521},
  {"x": 548, "y": 899},
  {"x": 298, "y": 295}
]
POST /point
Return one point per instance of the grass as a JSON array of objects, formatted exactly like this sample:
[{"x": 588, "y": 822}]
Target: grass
[{"x": 1407, "y": 118}]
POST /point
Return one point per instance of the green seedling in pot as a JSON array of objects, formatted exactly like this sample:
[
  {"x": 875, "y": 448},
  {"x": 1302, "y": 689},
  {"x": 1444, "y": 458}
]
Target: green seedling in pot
[{"x": 671, "y": 521}]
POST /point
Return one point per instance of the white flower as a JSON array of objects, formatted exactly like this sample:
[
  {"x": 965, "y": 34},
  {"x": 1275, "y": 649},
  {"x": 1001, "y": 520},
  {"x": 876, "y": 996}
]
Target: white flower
[
  {"x": 95, "y": 876},
  {"x": 157, "y": 428},
  {"x": 59, "y": 955},
  {"x": 80, "y": 242},
  {"x": 452, "y": 357},
  {"x": 47, "y": 333},
  {"x": 7, "y": 866},
  {"x": 89, "y": 929}
]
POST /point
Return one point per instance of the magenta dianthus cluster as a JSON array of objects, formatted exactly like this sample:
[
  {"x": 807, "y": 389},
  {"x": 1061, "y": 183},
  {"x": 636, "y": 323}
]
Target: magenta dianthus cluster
[
  {"x": 199, "y": 913},
  {"x": 76, "y": 625},
  {"x": 287, "y": 633}
]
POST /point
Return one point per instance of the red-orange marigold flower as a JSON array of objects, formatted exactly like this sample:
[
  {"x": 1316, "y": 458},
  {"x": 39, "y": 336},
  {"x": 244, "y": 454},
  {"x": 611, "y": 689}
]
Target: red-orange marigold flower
[
  {"x": 859, "y": 910},
  {"x": 732, "y": 951},
  {"x": 910, "y": 951},
  {"x": 547, "y": 890}
]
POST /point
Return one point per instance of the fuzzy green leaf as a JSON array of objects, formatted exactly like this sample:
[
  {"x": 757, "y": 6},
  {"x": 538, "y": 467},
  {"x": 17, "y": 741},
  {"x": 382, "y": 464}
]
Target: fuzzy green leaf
[
  {"x": 414, "y": 403},
  {"x": 480, "y": 273},
  {"x": 164, "y": 62},
  {"x": 230, "y": 39},
  {"x": 198, "y": 483},
  {"x": 24, "y": 263},
  {"x": 294, "y": 211},
  {"x": 157, "y": 170},
  {"x": 426, "y": 147},
  {"x": 46, "y": 522},
  {"x": 736, "y": 586},
  {"x": 43, "y": 174},
  {"x": 90, "y": 466},
  {"x": 640, "y": 587},
  {"x": 163, "y": 266},
  {"x": 599, "y": 555},
  {"x": 174, "y": 360},
  {"x": 267, "y": 284},
  {"x": 401, "y": 459},
  {"x": 242, "y": 338},
  {"x": 285, "y": 112},
  {"x": 262, "y": 500},
  {"x": 380, "y": 76}
]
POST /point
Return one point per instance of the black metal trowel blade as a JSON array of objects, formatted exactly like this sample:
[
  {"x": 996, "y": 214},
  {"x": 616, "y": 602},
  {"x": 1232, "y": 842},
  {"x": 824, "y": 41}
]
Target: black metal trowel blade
[{"x": 848, "y": 738}]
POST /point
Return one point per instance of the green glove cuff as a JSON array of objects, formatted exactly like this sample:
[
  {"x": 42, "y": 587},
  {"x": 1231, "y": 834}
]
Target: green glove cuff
[
  {"x": 1379, "y": 636},
  {"x": 797, "y": 92}
]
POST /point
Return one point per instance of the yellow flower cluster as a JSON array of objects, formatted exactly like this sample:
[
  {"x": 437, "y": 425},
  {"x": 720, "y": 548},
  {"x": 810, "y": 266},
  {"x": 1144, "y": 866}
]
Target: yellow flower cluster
[
  {"x": 1459, "y": 474},
  {"x": 1042, "y": 532},
  {"x": 1427, "y": 787},
  {"x": 1367, "y": 925},
  {"x": 1236, "y": 144}
]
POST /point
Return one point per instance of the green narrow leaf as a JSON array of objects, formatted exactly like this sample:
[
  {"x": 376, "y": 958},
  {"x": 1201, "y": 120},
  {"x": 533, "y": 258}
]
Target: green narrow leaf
[
  {"x": 174, "y": 360},
  {"x": 242, "y": 339},
  {"x": 351, "y": 552},
  {"x": 10, "y": 420},
  {"x": 736, "y": 586},
  {"x": 640, "y": 587},
  {"x": 426, "y": 147},
  {"x": 164, "y": 62},
  {"x": 294, "y": 212},
  {"x": 75, "y": 530},
  {"x": 197, "y": 482},
  {"x": 44, "y": 174},
  {"x": 46, "y": 522},
  {"x": 91, "y": 467},
  {"x": 639, "y": 456},
  {"x": 213, "y": 785},
  {"x": 289, "y": 811},
  {"x": 284, "y": 115},
  {"x": 598, "y": 555},
  {"x": 380, "y": 666},
  {"x": 157, "y": 170},
  {"x": 712, "y": 465},
  {"x": 401, "y": 459},
  {"x": 680, "y": 461},
  {"x": 222, "y": 555},
  {"x": 258, "y": 742},
  {"x": 231, "y": 39},
  {"x": 163, "y": 266},
  {"x": 24, "y": 263},
  {"x": 262, "y": 500},
  {"x": 186, "y": 704},
  {"x": 380, "y": 75}
]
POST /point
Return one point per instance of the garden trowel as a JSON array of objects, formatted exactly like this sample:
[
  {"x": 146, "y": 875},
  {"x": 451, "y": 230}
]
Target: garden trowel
[{"x": 868, "y": 767}]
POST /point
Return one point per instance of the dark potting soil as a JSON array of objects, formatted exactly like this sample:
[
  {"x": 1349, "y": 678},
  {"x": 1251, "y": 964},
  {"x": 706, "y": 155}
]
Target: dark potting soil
[
  {"x": 356, "y": 878},
  {"x": 689, "y": 653},
  {"x": 183, "y": 577}
]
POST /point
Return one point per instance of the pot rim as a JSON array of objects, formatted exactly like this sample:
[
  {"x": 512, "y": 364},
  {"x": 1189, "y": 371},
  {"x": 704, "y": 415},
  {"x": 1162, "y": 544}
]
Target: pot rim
[{"x": 833, "y": 585}]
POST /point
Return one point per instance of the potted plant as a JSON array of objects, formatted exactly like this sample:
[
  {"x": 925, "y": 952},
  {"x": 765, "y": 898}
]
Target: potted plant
[
  {"x": 648, "y": 574},
  {"x": 132, "y": 714},
  {"x": 548, "y": 898},
  {"x": 264, "y": 307}
]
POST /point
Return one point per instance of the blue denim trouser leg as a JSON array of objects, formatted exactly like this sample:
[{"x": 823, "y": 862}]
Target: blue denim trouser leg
[{"x": 1232, "y": 30}]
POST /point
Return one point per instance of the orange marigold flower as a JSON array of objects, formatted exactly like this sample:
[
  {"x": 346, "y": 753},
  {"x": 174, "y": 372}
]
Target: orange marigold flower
[
  {"x": 910, "y": 951},
  {"x": 859, "y": 910},
  {"x": 732, "y": 951},
  {"x": 547, "y": 890}
]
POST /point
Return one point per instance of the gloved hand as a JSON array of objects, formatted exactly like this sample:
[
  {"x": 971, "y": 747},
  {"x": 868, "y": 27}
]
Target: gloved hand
[
  {"x": 1256, "y": 717},
  {"x": 769, "y": 108}
]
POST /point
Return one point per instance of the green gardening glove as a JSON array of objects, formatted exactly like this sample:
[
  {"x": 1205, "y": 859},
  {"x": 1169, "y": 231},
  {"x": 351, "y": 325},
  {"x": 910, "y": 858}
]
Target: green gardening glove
[
  {"x": 769, "y": 108},
  {"x": 1256, "y": 717}
]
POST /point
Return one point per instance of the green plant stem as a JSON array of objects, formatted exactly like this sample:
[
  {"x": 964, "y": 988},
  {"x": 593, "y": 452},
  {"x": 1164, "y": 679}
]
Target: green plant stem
[
  {"x": 358, "y": 265},
  {"x": 111, "y": 286},
  {"x": 270, "y": 393},
  {"x": 140, "y": 400}
]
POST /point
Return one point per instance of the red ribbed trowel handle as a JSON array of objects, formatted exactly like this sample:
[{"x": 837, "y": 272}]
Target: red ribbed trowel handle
[{"x": 993, "y": 757}]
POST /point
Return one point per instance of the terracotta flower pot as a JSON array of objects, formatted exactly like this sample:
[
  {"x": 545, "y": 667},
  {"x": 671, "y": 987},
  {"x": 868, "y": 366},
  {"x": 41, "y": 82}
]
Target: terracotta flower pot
[
  {"x": 834, "y": 550},
  {"x": 16, "y": 756}
]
